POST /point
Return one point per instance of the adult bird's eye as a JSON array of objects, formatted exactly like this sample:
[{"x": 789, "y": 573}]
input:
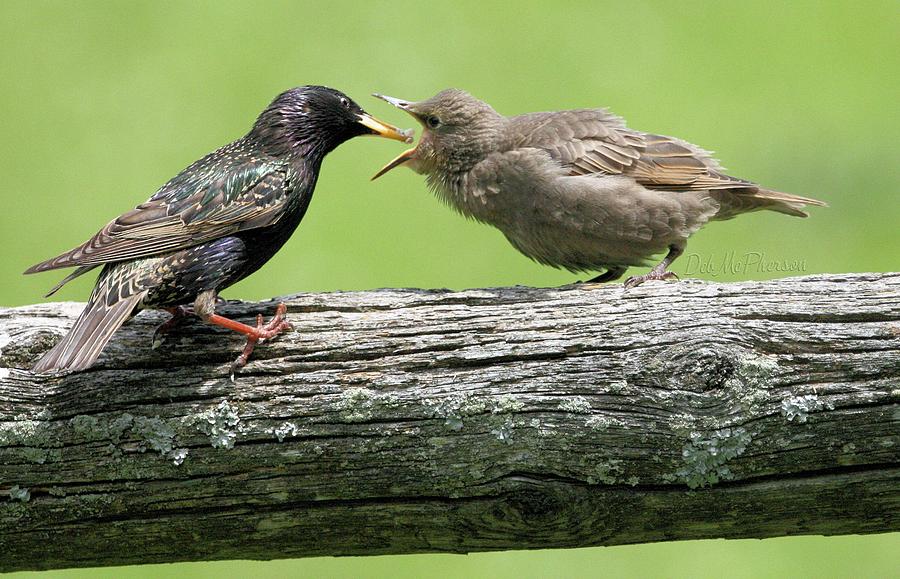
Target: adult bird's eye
[
  {"x": 433, "y": 122},
  {"x": 345, "y": 102}
]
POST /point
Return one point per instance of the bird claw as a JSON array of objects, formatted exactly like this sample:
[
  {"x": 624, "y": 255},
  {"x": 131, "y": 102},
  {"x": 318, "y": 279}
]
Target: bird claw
[
  {"x": 235, "y": 366},
  {"x": 159, "y": 336},
  {"x": 637, "y": 280},
  {"x": 179, "y": 316},
  {"x": 263, "y": 332}
]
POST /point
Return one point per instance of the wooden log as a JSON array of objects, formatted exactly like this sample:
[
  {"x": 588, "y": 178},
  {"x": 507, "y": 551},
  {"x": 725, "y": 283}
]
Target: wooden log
[{"x": 410, "y": 421}]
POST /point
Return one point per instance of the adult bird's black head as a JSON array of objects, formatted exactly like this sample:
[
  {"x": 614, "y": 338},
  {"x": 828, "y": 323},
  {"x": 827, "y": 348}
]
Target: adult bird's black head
[{"x": 314, "y": 120}]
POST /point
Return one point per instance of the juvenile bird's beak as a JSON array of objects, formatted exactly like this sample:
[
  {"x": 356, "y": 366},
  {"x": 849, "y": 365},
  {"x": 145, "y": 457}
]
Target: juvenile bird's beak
[
  {"x": 405, "y": 156},
  {"x": 399, "y": 103},
  {"x": 383, "y": 129}
]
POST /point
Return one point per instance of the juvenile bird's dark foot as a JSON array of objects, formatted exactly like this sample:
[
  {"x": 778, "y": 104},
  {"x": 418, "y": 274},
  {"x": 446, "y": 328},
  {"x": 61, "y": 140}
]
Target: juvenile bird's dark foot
[
  {"x": 180, "y": 314},
  {"x": 261, "y": 333},
  {"x": 610, "y": 274}
]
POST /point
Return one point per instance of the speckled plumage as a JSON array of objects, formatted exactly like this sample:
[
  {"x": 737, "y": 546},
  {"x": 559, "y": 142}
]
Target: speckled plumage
[
  {"x": 213, "y": 224},
  {"x": 576, "y": 189}
]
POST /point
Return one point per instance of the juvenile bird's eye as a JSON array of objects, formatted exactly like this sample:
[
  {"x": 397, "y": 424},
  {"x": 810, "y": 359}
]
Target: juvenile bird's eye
[{"x": 433, "y": 122}]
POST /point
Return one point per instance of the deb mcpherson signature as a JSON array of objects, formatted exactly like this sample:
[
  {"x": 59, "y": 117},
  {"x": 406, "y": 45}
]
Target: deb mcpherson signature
[{"x": 743, "y": 263}]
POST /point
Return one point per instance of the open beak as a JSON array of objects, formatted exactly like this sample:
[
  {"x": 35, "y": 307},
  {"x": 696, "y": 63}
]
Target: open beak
[
  {"x": 403, "y": 157},
  {"x": 399, "y": 103},
  {"x": 383, "y": 129},
  {"x": 407, "y": 155}
]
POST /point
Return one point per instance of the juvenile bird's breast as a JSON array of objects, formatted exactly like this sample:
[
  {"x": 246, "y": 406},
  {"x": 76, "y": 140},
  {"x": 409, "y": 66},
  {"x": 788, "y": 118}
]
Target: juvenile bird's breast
[
  {"x": 502, "y": 189},
  {"x": 454, "y": 190},
  {"x": 578, "y": 223}
]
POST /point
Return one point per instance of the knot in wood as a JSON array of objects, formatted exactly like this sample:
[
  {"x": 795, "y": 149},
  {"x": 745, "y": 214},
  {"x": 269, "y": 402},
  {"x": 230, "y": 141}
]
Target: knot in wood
[
  {"x": 711, "y": 367},
  {"x": 534, "y": 507},
  {"x": 696, "y": 365}
]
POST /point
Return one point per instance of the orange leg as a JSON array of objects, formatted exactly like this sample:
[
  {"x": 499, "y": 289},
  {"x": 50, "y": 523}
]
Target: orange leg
[{"x": 254, "y": 334}]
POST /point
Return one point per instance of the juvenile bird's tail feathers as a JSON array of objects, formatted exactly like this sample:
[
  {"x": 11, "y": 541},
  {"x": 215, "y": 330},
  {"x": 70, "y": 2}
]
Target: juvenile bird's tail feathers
[
  {"x": 786, "y": 202},
  {"x": 733, "y": 202}
]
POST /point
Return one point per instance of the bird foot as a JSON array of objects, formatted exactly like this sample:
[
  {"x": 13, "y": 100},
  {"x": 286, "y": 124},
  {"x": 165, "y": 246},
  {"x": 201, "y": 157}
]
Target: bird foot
[
  {"x": 611, "y": 274},
  {"x": 653, "y": 275},
  {"x": 180, "y": 314},
  {"x": 263, "y": 332}
]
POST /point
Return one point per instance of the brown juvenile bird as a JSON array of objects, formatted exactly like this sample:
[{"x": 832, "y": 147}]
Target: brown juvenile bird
[{"x": 577, "y": 189}]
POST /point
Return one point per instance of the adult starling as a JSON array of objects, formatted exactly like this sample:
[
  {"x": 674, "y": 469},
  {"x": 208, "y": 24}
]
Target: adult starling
[
  {"x": 213, "y": 224},
  {"x": 577, "y": 189}
]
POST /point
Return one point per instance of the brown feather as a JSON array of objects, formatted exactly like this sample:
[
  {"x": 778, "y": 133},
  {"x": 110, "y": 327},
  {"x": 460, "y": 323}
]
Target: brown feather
[{"x": 592, "y": 141}]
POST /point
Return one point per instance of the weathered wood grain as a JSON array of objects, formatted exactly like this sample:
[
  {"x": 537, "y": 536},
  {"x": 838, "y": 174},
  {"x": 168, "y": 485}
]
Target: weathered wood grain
[{"x": 402, "y": 421}]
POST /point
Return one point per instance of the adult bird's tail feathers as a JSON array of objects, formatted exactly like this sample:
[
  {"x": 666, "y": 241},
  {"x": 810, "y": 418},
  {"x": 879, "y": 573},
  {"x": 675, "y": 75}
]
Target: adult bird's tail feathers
[{"x": 92, "y": 330}]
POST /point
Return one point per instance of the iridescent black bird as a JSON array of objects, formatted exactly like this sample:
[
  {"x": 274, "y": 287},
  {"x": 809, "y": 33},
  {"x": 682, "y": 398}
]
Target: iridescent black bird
[{"x": 212, "y": 225}]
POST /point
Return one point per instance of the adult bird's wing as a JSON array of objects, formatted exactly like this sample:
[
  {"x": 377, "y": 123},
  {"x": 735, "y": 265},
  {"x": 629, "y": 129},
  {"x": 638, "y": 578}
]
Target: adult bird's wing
[
  {"x": 590, "y": 141},
  {"x": 221, "y": 194}
]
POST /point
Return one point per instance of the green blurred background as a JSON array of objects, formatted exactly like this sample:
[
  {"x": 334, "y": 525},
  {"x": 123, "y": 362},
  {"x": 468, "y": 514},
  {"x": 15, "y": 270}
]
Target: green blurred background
[{"x": 104, "y": 101}]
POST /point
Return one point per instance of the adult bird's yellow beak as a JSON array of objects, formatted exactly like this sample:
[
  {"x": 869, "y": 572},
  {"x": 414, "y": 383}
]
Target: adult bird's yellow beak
[
  {"x": 405, "y": 155},
  {"x": 382, "y": 129}
]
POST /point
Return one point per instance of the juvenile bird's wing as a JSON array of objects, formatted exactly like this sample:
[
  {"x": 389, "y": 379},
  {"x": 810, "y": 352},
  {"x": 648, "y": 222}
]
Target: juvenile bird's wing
[
  {"x": 595, "y": 141},
  {"x": 223, "y": 193}
]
